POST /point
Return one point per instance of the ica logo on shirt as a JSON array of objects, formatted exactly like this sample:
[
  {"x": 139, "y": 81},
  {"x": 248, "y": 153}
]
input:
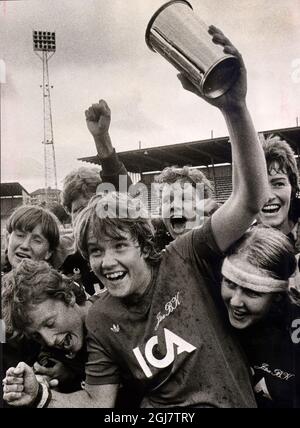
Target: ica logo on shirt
[{"x": 175, "y": 345}]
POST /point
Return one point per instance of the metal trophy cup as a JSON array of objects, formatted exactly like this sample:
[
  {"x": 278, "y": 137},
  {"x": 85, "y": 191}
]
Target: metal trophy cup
[{"x": 178, "y": 34}]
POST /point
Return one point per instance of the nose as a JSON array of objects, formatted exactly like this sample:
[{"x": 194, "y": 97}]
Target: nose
[
  {"x": 25, "y": 244},
  {"x": 271, "y": 194},
  {"x": 237, "y": 299},
  {"x": 47, "y": 337},
  {"x": 108, "y": 260}
]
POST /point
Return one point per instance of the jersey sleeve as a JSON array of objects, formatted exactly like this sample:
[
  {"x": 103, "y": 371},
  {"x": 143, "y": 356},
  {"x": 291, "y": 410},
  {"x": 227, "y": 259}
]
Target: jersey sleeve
[
  {"x": 112, "y": 169},
  {"x": 100, "y": 369}
]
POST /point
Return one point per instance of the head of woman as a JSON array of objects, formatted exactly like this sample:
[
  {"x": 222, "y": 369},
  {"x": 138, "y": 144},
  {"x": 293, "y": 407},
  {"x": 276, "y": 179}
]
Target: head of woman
[
  {"x": 256, "y": 275},
  {"x": 280, "y": 210},
  {"x": 32, "y": 233},
  {"x": 186, "y": 197}
]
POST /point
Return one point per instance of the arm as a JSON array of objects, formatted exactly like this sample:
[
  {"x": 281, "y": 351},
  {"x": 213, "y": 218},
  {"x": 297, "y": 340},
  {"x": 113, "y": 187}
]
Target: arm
[
  {"x": 250, "y": 185},
  {"x": 98, "y": 118},
  {"x": 21, "y": 389}
]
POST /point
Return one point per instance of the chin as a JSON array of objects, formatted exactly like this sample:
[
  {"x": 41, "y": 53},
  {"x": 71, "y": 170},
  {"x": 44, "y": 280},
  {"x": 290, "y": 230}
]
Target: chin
[{"x": 239, "y": 325}]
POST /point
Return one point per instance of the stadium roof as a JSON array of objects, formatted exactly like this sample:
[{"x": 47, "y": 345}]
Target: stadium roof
[
  {"x": 194, "y": 153},
  {"x": 12, "y": 189},
  {"x": 44, "y": 192}
]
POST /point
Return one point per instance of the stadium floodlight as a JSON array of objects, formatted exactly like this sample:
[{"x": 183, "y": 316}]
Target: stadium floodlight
[
  {"x": 44, "y": 41},
  {"x": 44, "y": 46}
]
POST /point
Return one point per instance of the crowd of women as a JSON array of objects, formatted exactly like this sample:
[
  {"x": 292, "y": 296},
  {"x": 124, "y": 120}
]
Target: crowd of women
[{"x": 132, "y": 311}]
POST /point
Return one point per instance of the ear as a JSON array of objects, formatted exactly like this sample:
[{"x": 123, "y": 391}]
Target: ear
[
  {"x": 48, "y": 255},
  {"x": 70, "y": 298},
  {"x": 145, "y": 252}
]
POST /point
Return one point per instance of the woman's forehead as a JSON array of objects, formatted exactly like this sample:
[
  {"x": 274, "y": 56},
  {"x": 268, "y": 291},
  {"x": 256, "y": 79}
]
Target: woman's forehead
[
  {"x": 94, "y": 238},
  {"x": 36, "y": 229},
  {"x": 274, "y": 168}
]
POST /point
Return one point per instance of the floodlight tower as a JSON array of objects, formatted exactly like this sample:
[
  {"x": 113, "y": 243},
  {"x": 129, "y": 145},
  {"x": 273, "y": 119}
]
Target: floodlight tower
[{"x": 44, "y": 46}]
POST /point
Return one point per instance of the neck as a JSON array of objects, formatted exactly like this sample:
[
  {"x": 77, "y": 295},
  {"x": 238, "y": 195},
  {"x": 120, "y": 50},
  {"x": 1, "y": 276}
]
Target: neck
[
  {"x": 143, "y": 288},
  {"x": 287, "y": 227},
  {"x": 83, "y": 309}
]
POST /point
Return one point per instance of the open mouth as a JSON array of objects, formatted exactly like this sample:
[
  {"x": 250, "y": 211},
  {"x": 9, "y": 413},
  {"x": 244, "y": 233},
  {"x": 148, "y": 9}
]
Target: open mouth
[
  {"x": 178, "y": 223},
  {"x": 22, "y": 255},
  {"x": 271, "y": 209},
  {"x": 115, "y": 276},
  {"x": 65, "y": 343},
  {"x": 238, "y": 315}
]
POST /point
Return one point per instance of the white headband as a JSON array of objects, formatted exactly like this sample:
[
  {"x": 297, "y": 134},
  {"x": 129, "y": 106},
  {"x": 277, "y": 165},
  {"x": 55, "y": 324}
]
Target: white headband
[{"x": 260, "y": 283}]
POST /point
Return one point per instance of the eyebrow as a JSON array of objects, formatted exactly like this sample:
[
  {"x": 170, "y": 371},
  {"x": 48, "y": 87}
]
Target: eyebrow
[
  {"x": 44, "y": 321},
  {"x": 279, "y": 177},
  {"x": 39, "y": 235}
]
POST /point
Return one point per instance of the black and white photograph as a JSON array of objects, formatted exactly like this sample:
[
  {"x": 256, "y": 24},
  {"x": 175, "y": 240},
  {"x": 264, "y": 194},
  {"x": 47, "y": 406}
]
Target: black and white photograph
[{"x": 150, "y": 206}]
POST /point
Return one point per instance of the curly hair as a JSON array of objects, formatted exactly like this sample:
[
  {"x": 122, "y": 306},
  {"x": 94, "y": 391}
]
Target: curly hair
[
  {"x": 31, "y": 283},
  {"x": 80, "y": 182},
  {"x": 111, "y": 215},
  {"x": 27, "y": 217},
  {"x": 280, "y": 152},
  {"x": 186, "y": 174}
]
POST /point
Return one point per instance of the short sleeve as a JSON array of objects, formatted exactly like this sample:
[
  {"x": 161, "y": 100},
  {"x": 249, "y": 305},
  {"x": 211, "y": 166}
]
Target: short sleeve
[{"x": 101, "y": 369}]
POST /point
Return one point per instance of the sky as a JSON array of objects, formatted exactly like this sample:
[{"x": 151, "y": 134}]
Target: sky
[{"x": 101, "y": 54}]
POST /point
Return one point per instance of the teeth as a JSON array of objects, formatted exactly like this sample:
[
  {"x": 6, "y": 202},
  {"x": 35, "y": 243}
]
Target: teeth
[
  {"x": 22, "y": 256},
  {"x": 67, "y": 341},
  {"x": 238, "y": 314},
  {"x": 178, "y": 219},
  {"x": 271, "y": 207},
  {"x": 114, "y": 275}
]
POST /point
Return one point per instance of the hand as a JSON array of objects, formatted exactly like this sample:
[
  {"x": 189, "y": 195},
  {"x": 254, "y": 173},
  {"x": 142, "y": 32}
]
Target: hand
[
  {"x": 54, "y": 375},
  {"x": 98, "y": 119},
  {"x": 50, "y": 383},
  {"x": 236, "y": 95},
  {"x": 20, "y": 386}
]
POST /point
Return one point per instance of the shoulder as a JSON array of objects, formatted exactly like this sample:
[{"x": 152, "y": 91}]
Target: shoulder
[{"x": 104, "y": 305}]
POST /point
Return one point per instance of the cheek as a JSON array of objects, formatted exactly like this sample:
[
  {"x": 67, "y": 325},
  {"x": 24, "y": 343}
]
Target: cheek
[
  {"x": 94, "y": 263},
  {"x": 12, "y": 242},
  {"x": 165, "y": 210},
  {"x": 287, "y": 197},
  {"x": 225, "y": 293},
  {"x": 40, "y": 251},
  {"x": 258, "y": 307}
]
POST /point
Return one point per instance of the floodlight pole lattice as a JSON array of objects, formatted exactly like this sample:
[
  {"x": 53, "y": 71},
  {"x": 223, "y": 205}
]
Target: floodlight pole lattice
[{"x": 44, "y": 46}]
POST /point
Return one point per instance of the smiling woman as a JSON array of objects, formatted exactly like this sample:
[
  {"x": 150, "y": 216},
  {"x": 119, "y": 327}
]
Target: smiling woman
[
  {"x": 33, "y": 233},
  {"x": 254, "y": 289},
  {"x": 48, "y": 309},
  {"x": 280, "y": 210}
]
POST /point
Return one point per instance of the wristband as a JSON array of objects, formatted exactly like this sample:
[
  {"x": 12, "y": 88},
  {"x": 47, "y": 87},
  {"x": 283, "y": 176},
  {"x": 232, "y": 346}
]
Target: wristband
[
  {"x": 38, "y": 397},
  {"x": 46, "y": 397},
  {"x": 43, "y": 397}
]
